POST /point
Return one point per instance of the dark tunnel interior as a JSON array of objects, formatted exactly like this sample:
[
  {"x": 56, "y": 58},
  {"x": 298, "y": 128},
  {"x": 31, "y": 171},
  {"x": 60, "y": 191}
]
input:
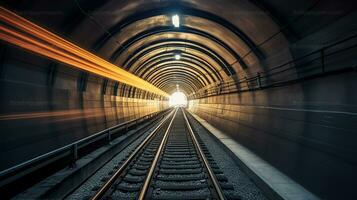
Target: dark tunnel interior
[{"x": 277, "y": 76}]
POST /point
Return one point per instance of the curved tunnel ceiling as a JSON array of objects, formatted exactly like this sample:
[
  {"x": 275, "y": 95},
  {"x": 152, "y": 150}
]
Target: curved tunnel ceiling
[{"x": 215, "y": 40}]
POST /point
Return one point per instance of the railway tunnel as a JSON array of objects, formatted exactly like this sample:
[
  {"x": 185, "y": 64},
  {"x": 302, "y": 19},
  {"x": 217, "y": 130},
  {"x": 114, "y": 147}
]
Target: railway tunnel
[{"x": 272, "y": 82}]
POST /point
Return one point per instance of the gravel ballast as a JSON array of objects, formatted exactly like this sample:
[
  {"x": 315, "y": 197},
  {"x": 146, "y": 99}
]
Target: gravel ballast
[
  {"x": 243, "y": 186},
  {"x": 88, "y": 188}
]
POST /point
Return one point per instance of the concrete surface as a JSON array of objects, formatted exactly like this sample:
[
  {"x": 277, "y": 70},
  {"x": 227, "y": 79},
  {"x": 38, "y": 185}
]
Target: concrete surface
[{"x": 283, "y": 186}]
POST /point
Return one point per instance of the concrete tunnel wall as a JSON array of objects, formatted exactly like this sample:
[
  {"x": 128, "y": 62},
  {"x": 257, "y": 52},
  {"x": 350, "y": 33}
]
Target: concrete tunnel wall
[
  {"x": 44, "y": 106},
  {"x": 306, "y": 129},
  {"x": 301, "y": 129}
]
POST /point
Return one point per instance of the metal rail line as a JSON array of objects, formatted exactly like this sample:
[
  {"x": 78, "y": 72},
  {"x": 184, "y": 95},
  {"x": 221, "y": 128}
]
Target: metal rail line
[
  {"x": 212, "y": 176},
  {"x": 102, "y": 191},
  {"x": 171, "y": 149},
  {"x": 26, "y": 167}
]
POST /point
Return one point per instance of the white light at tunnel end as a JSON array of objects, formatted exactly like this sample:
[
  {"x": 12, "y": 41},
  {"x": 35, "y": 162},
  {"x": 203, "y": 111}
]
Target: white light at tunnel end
[
  {"x": 177, "y": 57},
  {"x": 178, "y": 99},
  {"x": 176, "y": 20}
]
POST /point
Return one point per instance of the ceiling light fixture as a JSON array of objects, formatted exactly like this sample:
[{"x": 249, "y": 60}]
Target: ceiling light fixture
[
  {"x": 177, "y": 57},
  {"x": 176, "y": 20}
]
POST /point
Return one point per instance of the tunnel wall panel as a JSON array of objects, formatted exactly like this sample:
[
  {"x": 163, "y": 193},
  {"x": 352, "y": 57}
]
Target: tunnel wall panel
[
  {"x": 35, "y": 119},
  {"x": 302, "y": 130},
  {"x": 46, "y": 105}
]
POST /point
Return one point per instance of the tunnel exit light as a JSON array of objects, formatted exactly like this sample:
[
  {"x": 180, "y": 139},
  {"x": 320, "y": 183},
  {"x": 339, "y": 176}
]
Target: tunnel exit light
[
  {"x": 177, "y": 56},
  {"x": 176, "y": 21},
  {"x": 178, "y": 99}
]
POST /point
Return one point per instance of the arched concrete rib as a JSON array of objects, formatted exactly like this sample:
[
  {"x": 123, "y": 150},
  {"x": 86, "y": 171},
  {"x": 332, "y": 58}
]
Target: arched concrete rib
[{"x": 181, "y": 9}]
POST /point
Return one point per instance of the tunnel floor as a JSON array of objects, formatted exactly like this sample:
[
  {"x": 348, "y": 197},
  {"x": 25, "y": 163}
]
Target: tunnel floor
[{"x": 180, "y": 172}]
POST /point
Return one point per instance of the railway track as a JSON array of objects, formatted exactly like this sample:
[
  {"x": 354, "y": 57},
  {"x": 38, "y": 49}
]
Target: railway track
[{"x": 171, "y": 163}]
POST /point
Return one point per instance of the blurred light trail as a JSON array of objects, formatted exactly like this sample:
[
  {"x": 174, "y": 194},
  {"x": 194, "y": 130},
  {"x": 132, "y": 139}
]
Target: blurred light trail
[
  {"x": 61, "y": 114},
  {"x": 18, "y": 31}
]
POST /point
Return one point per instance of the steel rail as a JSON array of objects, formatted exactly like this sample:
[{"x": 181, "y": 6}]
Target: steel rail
[
  {"x": 211, "y": 174},
  {"x": 146, "y": 184},
  {"x": 63, "y": 150},
  {"x": 103, "y": 190}
]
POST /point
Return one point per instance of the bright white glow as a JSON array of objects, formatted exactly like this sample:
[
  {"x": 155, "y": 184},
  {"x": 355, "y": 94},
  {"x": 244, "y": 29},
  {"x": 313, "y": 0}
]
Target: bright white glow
[
  {"x": 178, "y": 99},
  {"x": 177, "y": 57},
  {"x": 176, "y": 21}
]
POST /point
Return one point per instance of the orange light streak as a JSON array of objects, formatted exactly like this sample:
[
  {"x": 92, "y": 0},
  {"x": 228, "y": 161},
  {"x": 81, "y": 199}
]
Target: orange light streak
[
  {"x": 65, "y": 114},
  {"x": 20, "y": 32}
]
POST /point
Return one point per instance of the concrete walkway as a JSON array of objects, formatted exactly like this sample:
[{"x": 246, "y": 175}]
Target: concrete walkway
[{"x": 274, "y": 183}]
